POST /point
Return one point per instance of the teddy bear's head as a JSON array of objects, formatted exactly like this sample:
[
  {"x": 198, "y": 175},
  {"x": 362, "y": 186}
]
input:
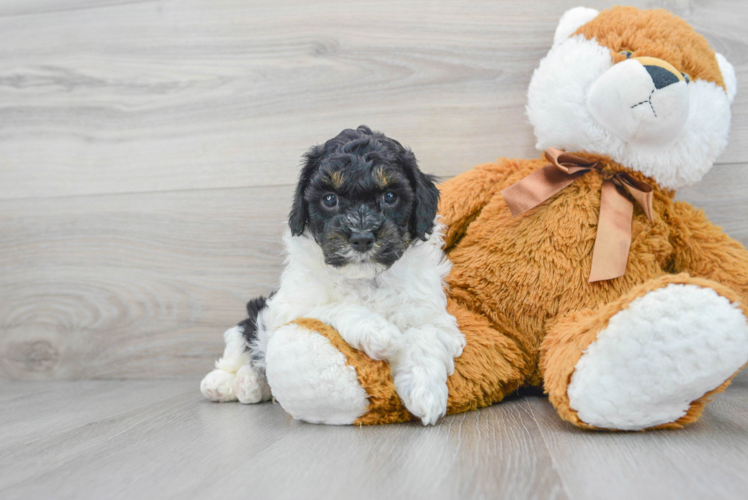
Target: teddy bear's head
[{"x": 640, "y": 86}]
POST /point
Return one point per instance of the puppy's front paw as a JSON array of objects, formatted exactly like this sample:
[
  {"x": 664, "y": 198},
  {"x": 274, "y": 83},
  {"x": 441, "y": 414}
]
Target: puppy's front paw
[
  {"x": 380, "y": 340},
  {"x": 424, "y": 394},
  {"x": 218, "y": 386}
]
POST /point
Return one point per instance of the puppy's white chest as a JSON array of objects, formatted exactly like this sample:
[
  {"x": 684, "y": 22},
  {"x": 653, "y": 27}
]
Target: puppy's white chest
[{"x": 371, "y": 294}]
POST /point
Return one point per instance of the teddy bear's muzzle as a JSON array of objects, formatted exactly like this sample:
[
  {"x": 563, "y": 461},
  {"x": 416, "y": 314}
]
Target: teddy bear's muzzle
[{"x": 642, "y": 100}]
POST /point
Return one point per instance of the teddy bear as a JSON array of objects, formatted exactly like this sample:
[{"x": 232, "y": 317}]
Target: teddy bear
[{"x": 577, "y": 272}]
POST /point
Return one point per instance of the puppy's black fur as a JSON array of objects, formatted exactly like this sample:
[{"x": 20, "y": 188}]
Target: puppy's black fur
[
  {"x": 379, "y": 192},
  {"x": 363, "y": 199},
  {"x": 249, "y": 325}
]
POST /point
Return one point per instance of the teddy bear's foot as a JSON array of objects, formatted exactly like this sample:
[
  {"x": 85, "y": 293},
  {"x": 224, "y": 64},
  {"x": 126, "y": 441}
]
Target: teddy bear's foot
[
  {"x": 668, "y": 349},
  {"x": 311, "y": 379}
]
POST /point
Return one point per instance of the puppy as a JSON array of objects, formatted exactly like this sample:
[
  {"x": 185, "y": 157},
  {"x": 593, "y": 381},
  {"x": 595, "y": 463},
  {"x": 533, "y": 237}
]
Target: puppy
[{"x": 364, "y": 255}]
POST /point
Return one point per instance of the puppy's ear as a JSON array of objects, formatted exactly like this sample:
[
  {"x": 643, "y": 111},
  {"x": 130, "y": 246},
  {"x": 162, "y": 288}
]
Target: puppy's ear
[
  {"x": 426, "y": 197},
  {"x": 299, "y": 215}
]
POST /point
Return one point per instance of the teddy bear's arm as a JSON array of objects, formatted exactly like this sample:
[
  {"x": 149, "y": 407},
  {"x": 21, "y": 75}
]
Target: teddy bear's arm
[
  {"x": 704, "y": 250},
  {"x": 463, "y": 197}
]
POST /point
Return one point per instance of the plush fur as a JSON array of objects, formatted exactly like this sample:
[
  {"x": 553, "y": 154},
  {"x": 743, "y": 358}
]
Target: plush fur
[
  {"x": 310, "y": 376},
  {"x": 643, "y": 351},
  {"x": 664, "y": 351},
  {"x": 384, "y": 293},
  {"x": 562, "y": 86}
]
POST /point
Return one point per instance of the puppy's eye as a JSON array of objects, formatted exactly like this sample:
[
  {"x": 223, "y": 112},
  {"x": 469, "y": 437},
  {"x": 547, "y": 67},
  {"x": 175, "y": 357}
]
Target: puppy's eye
[
  {"x": 330, "y": 201},
  {"x": 390, "y": 198},
  {"x": 686, "y": 77},
  {"x": 626, "y": 53}
]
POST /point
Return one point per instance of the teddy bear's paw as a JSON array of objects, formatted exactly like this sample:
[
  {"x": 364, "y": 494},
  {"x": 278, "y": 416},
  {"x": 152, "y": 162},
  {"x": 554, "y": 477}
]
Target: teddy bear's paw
[
  {"x": 219, "y": 386},
  {"x": 666, "y": 350},
  {"x": 423, "y": 394},
  {"x": 251, "y": 386},
  {"x": 311, "y": 379}
]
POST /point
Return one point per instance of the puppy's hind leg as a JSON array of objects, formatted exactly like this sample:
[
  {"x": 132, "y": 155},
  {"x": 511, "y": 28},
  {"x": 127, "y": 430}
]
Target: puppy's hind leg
[
  {"x": 220, "y": 384},
  {"x": 236, "y": 378}
]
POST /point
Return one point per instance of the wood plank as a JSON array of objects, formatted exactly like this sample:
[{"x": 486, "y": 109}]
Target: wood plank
[
  {"x": 723, "y": 195},
  {"x": 132, "y": 286},
  {"x": 35, "y": 7},
  {"x": 706, "y": 460},
  {"x": 74, "y": 406},
  {"x": 108, "y": 96},
  {"x": 151, "y": 439},
  {"x": 173, "y": 443}
]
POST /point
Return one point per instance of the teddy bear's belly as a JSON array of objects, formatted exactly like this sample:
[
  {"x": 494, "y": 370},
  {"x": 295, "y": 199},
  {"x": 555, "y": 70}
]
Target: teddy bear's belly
[{"x": 524, "y": 272}]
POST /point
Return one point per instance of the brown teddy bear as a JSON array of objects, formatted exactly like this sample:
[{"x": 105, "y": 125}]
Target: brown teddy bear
[{"x": 579, "y": 271}]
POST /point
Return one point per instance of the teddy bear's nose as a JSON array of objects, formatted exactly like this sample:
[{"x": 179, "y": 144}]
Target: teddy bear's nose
[
  {"x": 662, "y": 72},
  {"x": 641, "y": 100},
  {"x": 661, "y": 77}
]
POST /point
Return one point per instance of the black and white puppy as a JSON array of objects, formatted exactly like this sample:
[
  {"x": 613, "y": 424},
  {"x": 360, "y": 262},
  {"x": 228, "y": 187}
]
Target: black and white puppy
[{"x": 364, "y": 255}]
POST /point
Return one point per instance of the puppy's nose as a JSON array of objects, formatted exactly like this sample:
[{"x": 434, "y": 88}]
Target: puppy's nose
[{"x": 362, "y": 241}]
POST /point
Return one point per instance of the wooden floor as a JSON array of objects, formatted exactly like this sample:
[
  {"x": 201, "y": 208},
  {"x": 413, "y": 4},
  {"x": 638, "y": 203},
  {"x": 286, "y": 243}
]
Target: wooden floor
[
  {"x": 148, "y": 152},
  {"x": 160, "y": 440}
]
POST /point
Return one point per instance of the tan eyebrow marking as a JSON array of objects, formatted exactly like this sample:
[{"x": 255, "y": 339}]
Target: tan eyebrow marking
[
  {"x": 336, "y": 178},
  {"x": 381, "y": 178}
]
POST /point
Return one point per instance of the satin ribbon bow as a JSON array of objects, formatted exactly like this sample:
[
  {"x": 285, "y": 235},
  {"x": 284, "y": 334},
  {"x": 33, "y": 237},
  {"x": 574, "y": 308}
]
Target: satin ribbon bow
[{"x": 613, "y": 240}]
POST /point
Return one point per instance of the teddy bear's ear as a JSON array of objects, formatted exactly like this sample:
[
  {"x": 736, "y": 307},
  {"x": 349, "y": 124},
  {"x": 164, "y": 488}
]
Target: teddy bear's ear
[
  {"x": 571, "y": 21},
  {"x": 728, "y": 74}
]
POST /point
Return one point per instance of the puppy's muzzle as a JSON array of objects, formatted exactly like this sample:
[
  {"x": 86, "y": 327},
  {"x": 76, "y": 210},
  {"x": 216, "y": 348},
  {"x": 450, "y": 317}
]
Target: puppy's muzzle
[{"x": 642, "y": 100}]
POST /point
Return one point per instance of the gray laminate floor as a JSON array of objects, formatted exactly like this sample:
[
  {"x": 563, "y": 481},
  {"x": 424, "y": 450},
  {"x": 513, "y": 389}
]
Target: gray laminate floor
[{"x": 160, "y": 439}]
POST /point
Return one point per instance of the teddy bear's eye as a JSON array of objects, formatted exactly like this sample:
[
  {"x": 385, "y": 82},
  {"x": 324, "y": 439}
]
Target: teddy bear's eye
[
  {"x": 686, "y": 77},
  {"x": 626, "y": 53}
]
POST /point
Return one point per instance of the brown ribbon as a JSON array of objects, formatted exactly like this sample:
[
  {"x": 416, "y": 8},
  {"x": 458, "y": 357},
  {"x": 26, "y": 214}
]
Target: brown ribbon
[{"x": 613, "y": 240}]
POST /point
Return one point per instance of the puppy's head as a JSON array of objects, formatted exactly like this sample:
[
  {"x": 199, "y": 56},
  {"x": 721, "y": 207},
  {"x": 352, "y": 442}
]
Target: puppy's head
[{"x": 363, "y": 199}]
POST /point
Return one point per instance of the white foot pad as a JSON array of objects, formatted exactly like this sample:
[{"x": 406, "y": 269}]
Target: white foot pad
[
  {"x": 667, "y": 349},
  {"x": 219, "y": 386},
  {"x": 251, "y": 386},
  {"x": 310, "y": 378},
  {"x": 247, "y": 386}
]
